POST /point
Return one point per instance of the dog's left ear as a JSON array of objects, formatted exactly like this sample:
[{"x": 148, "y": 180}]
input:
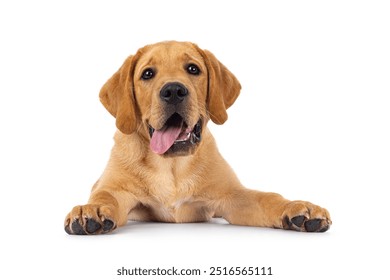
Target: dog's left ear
[
  {"x": 117, "y": 97},
  {"x": 223, "y": 88}
]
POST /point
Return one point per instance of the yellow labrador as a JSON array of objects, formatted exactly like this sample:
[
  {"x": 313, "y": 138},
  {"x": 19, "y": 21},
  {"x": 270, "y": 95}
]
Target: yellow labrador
[{"x": 165, "y": 165}]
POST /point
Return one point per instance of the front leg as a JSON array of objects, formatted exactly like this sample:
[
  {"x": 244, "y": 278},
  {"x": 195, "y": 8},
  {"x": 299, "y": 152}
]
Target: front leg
[
  {"x": 107, "y": 209},
  {"x": 254, "y": 208}
]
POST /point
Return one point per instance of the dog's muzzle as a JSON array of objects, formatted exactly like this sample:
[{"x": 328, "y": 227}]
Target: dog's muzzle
[{"x": 175, "y": 136}]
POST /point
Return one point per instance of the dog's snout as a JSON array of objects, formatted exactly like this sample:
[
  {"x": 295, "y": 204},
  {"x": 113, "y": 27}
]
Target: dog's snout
[{"x": 173, "y": 93}]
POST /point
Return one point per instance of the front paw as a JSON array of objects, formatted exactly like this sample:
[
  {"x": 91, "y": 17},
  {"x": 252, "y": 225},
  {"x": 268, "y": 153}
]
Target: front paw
[
  {"x": 90, "y": 219},
  {"x": 305, "y": 216}
]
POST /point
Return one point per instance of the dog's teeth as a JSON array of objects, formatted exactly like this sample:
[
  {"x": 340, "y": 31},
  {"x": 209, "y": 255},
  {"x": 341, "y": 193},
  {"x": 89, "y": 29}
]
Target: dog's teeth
[{"x": 184, "y": 139}]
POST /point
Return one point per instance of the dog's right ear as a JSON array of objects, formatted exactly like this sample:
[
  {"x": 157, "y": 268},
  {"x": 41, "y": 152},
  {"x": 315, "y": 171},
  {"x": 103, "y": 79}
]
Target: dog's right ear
[{"x": 117, "y": 96}]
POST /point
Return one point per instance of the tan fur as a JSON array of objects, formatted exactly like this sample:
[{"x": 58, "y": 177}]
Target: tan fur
[{"x": 138, "y": 184}]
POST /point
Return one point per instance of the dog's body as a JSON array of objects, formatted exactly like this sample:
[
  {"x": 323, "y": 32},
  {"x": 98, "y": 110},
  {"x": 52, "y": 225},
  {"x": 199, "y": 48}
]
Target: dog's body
[{"x": 165, "y": 165}]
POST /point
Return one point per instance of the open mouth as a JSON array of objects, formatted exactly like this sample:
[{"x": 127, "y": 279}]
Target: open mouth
[{"x": 174, "y": 134}]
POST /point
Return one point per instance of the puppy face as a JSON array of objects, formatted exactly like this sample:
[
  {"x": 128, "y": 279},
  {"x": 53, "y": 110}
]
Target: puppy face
[
  {"x": 170, "y": 84},
  {"x": 167, "y": 92}
]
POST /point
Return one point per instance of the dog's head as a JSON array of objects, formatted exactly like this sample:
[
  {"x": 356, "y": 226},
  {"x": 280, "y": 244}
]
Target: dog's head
[{"x": 167, "y": 92}]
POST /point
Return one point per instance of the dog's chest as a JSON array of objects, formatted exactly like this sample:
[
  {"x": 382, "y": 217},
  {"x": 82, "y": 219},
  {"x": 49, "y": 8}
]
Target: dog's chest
[
  {"x": 173, "y": 191},
  {"x": 170, "y": 193},
  {"x": 174, "y": 198}
]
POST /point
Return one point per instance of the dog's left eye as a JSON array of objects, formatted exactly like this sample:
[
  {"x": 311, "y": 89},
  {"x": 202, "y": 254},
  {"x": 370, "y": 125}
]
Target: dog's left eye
[{"x": 193, "y": 69}]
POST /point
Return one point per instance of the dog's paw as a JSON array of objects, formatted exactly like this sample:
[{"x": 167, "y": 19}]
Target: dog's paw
[
  {"x": 305, "y": 216},
  {"x": 90, "y": 219}
]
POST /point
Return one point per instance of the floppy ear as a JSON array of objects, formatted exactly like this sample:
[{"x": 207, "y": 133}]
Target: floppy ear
[
  {"x": 223, "y": 88},
  {"x": 118, "y": 98}
]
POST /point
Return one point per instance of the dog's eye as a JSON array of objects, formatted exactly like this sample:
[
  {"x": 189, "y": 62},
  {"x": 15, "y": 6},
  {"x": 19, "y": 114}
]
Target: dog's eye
[
  {"x": 147, "y": 74},
  {"x": 193, "y": 69}
]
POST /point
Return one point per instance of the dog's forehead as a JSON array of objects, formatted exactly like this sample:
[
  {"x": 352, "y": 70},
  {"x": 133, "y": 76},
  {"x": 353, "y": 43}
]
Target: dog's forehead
[{"x": 167, "y": 53}]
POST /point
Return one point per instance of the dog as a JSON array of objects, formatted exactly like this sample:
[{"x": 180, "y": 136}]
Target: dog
[{"x": 164, "y": 165}]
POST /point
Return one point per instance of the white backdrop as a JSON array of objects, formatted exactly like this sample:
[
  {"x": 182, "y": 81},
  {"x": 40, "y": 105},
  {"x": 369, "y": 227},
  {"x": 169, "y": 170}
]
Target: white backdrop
[{"x": 312, "y": 123}]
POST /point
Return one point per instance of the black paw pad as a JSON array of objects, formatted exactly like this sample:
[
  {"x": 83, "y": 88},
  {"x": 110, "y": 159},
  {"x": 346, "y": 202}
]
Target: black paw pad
[
  {"x": 298, "y": 220},
  {"x": 77, "y": 228},
  {"x": 313, "y": 225},
  {"x": 67, "y": 229},
  {"x": 92, "y": 226},
  {"x": 301, "y": 223},
  {"x": 108, "y": 225}
]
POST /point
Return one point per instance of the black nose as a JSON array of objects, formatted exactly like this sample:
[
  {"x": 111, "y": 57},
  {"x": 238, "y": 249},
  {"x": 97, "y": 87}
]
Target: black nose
[{"x": 173, "y": 93}]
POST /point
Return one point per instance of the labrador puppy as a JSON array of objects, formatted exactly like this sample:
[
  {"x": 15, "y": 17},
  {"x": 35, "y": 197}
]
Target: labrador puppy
[{"x": 165, "y": 165}]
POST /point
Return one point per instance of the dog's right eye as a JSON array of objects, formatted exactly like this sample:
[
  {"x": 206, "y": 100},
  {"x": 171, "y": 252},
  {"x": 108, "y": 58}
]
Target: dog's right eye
[{"x": 147, "y": 74}]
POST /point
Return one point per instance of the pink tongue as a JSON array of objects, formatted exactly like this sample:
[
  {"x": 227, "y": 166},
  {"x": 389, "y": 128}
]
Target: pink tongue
[{"x": 164, "y": 138}]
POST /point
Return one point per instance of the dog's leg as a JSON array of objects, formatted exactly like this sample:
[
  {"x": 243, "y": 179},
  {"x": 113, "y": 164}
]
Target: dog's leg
[
  {"x": 254, "y": 208},
  {"x": 106, "y": 210}
]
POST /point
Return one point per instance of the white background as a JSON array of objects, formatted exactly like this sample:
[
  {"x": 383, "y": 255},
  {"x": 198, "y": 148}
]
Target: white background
[{"x": 312, "y": 123}]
